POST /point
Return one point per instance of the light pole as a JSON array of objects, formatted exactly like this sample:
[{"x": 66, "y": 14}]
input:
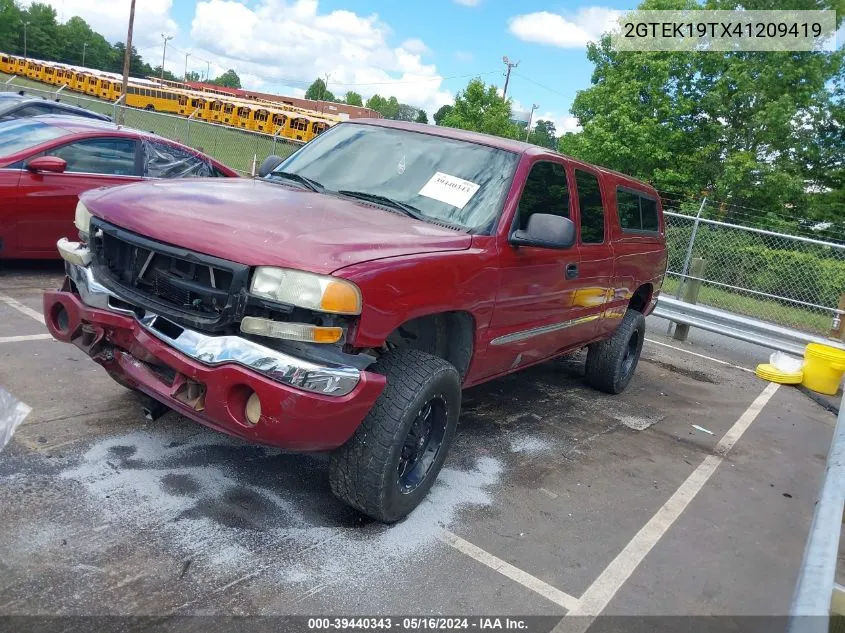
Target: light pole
[
  {"x": 84, "y": 46},
  {"x": 207, "y": 70},
  {"x": 25, "y": 24},
  {"x": 166, "y": 39},
  {"x": 187, "y": 55}
]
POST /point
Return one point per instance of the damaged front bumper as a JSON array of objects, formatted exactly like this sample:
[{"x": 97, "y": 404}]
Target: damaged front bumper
[{"x": 304, "y": 405}]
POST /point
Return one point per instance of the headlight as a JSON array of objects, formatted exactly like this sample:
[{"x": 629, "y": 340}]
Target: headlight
[
  {"x": 306, "y": 290},
  {"x": 82, "y": 219}
]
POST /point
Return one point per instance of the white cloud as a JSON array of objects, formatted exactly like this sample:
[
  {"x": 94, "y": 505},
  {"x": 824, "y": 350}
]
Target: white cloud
[
  {"x": 415, "y": 45},
  {"x": 565, "y": 31},
  {"x": 289, "y": 44},
  {"x": 563, "y": 123},
  {"x": 464, "y": 57},
  {"x": 111, "y": 19},
  {"x": 469, "y": 3}
]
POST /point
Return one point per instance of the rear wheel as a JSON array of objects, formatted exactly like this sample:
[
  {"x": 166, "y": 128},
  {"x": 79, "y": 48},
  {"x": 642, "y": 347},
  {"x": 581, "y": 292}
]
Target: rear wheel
[
  {"x": 611, "y": 363},
  {"x": 390, "y": 463}
]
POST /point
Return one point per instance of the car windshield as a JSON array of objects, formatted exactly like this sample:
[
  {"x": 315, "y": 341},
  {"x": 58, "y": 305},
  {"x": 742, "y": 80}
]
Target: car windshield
[
  {"x": 20, "y": 134},
  {"x": 433, "y": 178}
]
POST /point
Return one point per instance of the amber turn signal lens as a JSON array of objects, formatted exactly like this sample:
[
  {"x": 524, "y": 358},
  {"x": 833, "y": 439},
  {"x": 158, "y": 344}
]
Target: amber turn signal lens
[{"x": 341, "y": 298}]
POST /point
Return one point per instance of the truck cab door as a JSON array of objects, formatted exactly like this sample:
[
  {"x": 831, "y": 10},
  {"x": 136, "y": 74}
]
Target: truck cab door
[
  {"x": 594, "y": 285},
  {"x": 536, "y": 285}
]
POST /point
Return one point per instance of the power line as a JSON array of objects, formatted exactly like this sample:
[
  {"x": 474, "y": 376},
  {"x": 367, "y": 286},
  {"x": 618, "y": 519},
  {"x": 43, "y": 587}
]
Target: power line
[{"x": 537, "y": 83}]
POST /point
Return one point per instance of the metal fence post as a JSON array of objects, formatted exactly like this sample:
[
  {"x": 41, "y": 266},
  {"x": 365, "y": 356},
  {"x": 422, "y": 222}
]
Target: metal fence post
[
  {"x": 688, "y": 257},
  {"x": 116, "y": 103}
]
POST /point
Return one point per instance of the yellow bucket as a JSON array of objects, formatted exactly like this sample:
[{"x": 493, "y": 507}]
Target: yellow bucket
[{"x": 823, "y": 368}]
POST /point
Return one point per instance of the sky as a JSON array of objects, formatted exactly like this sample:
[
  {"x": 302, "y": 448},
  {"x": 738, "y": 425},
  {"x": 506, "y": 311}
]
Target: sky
[{"x": 421, "y": 52}]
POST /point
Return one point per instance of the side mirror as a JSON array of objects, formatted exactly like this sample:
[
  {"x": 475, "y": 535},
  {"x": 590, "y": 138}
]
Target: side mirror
[
  {"x": 50, "y": 164},
  {"x": 269, "y": 164},
  {"x": 546, "y": 231}
]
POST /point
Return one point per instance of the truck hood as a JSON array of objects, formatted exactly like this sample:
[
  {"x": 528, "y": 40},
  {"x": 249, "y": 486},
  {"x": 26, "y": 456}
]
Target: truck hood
[{"x": 265, "y": 224}]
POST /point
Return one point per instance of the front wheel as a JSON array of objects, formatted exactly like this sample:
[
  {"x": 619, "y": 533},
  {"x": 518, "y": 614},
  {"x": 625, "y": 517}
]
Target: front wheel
[
  {"x": 390, "y": 463},
  {"x": 611, "y": 363}
]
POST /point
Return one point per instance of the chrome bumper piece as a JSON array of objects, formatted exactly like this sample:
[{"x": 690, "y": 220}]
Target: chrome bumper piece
[{"x": 217, "y": 350}]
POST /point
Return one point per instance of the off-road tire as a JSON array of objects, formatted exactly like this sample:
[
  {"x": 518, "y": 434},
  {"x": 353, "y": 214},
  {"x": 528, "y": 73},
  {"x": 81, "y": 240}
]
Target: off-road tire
[
  {"x": 609, "y": 365},
  {"x": 363, "y": 472}
]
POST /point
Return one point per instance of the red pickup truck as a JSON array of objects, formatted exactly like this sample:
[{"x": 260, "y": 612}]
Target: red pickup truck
[{"x": 342, "y": 301}]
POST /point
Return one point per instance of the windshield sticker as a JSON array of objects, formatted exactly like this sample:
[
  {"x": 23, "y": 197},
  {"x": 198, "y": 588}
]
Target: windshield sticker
[
  {"x": 449, "y": 189},
  {"x": 400, "y": 168}
]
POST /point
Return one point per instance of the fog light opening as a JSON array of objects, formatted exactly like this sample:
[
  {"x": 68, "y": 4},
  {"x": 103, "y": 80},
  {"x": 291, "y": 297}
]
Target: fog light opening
[
  {"x": 253, "y": 408},
  {"x": 60, "y": 318}
]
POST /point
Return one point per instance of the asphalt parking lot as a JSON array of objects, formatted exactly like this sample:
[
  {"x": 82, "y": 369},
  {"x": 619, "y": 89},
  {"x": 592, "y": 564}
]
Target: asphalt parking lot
[{"x": 555, "y": 499}]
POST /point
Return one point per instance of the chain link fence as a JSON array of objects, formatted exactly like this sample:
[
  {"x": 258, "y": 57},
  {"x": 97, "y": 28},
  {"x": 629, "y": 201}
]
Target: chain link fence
[
  {"x": 231, "y": 146},
  {"x": 794, "y": 281}
]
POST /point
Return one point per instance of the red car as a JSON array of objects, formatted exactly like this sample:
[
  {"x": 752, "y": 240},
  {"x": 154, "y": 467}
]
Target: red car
[
  {"x": 342, "y": 303},
  {"x": 47, "y": 161}
]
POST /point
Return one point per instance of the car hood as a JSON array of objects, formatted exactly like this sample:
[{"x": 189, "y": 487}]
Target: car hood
[{"x": 265, "y": 224}]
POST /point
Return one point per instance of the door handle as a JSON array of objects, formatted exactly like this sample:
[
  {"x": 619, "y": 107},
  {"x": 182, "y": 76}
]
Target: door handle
[{"x": 571, "y": 271}]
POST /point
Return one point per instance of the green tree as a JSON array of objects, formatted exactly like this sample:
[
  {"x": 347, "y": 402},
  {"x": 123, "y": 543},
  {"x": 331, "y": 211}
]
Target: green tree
[
  {"x": 392, "y": 108},
  {"x": 76, "y": 36},
  {"x": 11, "y": 37},
  {"x": 388, "y": 108},
  {"x": 422, "y": 117},
  {"x": 377, "y": 103},
  {"x": 229, "y": 79},
  {"x": 544, "y": 134},
  {"x": 318, "y": 91},
  {"x": 442, "y": 113},
  {"x": 407, "y": 113},
  {"x": 353, "y": 98},
  {"x": 744, "y": 125},
  {"x": 480, "y": 108},
  {"x": 193, "y": 76},
  {"x": 42, "y": 31}
]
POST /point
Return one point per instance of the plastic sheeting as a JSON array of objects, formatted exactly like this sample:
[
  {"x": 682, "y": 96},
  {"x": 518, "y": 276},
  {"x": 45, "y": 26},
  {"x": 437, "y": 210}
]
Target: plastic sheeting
[
  {"x": 12, "y": 414},
  {"x": 166, "y": 161}
]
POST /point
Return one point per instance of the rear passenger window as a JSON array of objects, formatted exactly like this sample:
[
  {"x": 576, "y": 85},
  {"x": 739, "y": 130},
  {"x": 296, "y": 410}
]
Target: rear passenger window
[
  {"x": 592, "y": 211},
  {"x": 167, "y": 161},
  {"x": 636, "y": 211},
  {"x": 546, "y": 191}
]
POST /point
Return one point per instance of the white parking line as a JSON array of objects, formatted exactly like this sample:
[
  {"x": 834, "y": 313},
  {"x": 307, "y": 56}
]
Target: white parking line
[
  {"x": 686, "y": 351},
  {"x": 506, "y": 569},
  {"x": 20, "y": 339},
  {"x": 600, "y": 593},
  {"x": 17, "y": 305}
]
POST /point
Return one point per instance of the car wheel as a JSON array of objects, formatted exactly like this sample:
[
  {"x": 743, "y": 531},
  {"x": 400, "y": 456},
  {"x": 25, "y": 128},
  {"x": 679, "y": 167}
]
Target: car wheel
[
  {"x": 390, "y": 463},
  {"x": 611, "y": 363}
]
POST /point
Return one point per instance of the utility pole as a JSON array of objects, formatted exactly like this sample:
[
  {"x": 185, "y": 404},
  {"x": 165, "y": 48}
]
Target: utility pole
[
  {"x": 84, "y": 46},
  {"x": 166, "y": 39},
  {"x": 207, "y": 70},
  {"x": 127, "y": 56},
  {"x": 325, "y": 91},
  {"x": 530, "y": 119},
  {"x": 511, "y": 65},
  {"x": 187, "y": 55},
  {"x": 25, "y": 24}
]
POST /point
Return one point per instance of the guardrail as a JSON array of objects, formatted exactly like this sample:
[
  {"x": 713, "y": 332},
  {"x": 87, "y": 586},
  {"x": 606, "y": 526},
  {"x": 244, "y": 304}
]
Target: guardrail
[
  {"x": 817, "y": 595},
  {"x": 738, "y": 326}
]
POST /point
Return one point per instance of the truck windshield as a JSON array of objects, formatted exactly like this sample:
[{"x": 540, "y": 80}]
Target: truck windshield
[
  {"x": 439, "y": 179},
  {"x": 21, "y": 134}
]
